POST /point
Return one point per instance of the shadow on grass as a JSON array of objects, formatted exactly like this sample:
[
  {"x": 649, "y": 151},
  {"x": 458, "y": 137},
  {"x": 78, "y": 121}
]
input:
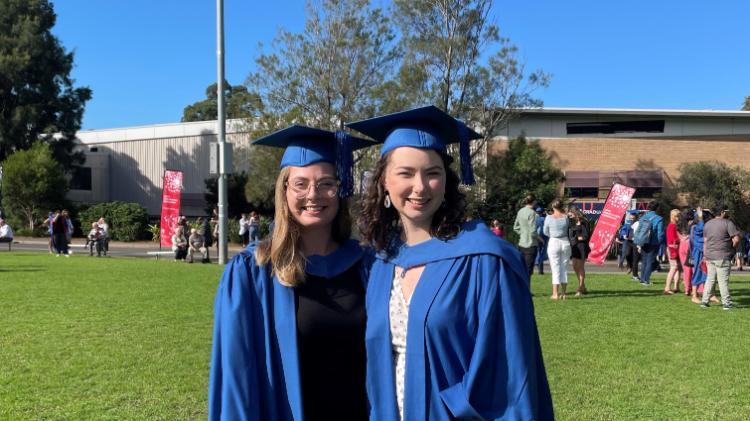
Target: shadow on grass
[
  {"x": 25, "y": 269},
  {"x": 650, "y": 292}
]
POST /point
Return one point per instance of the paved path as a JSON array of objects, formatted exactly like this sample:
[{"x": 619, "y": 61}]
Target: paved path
[
  {"x": 116, "y": 248},
  {"x": 140, "y": 249}
]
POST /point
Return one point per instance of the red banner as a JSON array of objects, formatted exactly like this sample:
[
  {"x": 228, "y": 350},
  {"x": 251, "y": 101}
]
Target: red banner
[
  {"x": 170, "y": 205},
  {"x": 618, "y": 201}
]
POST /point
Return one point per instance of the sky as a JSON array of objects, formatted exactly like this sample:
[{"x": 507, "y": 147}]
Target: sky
[{"x": 145, "y": 60}]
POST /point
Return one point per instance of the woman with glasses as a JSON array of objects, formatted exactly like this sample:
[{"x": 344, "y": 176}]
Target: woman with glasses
[
  {"x": 290, "y": 311},
  {"x": 450, "y": 322}
]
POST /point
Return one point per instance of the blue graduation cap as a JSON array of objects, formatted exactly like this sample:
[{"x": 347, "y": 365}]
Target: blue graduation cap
[
  {"x": 424, "y": 128},
  {"x": 306, "y": 145}
]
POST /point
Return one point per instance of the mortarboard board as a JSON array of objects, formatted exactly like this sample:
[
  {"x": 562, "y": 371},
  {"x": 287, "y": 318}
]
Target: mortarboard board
[
  {"x": 424, "y": 128},
  {"x": 306, "y": 145}
]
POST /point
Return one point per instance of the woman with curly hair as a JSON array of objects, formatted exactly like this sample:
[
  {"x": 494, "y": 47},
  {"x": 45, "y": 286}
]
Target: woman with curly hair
[
  {"x": 290, "y": 311},
  {"x": 450, "y": 327}
]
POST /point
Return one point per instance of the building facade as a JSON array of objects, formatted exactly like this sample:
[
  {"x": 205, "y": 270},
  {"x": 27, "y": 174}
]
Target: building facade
[{"x": 639, "y": 148}]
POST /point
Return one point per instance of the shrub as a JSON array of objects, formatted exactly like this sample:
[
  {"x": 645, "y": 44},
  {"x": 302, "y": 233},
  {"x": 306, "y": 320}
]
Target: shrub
[{"x": 127, "y": 221}]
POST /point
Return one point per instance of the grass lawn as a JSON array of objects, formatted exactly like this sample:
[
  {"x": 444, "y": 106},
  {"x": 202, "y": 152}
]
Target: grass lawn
[{"x": 88, "y": 338}]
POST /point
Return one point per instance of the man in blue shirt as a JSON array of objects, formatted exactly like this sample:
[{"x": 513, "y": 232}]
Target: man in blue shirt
[{"x": 649, "y": 250}]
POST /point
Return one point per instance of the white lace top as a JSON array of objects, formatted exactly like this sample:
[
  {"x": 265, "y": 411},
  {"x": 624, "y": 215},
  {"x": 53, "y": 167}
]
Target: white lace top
[{"x": 399, "y": 316}]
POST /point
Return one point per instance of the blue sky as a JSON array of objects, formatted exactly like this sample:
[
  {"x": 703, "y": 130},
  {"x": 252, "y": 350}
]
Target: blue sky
[{"x": 146, "y": 60}]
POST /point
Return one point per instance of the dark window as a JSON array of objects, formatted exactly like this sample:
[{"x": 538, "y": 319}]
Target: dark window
[
  {"x": 583, "y": 191},
  {"x": 81, "y": 179},
  {"x": 611, "y": 127},
  {"x": 94, "y": 149},
  {"x": 646, "y": 192}
]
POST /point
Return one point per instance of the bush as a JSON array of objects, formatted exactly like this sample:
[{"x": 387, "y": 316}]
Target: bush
[
  {"x": 127, "y": 221},
  {"x": 233, "y": 226}
]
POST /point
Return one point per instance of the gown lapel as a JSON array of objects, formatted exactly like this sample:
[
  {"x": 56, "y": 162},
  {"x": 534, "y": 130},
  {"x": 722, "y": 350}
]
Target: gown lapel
[
  {"x": 417, "y": 387},
  {"x": 285, "y": 320}
]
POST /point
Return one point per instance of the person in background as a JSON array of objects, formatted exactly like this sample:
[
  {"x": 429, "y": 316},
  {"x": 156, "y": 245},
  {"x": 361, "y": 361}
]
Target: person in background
[
  {"x": 625, "y": 239},
  {"x": 196, "y": 244},
  {"x": 6, "y": 232},
  {"x": 244, "y": 235},
  {"x": 60, "y": 233},
  {"x": 651, "y": 248},
  {"x": 94, "y": 240},
  {"x": 700, "y": 269},
  {"x": 253, "y": 227},
  {"x": 525, "y": 227},
  {"x": 497, "y": 228},
  {"x": 205, "y": 227},
  {"x": 635, "y": 251},
  {"x": 541, "y": 252},
  {"x": 104, "y": 228},
  {"x": 579, "y": 234},
  {"x": 68, "y": 227},
  {"x": 720, "y": 240},
  {"x": 671, "y": 285},
  {"x": 684, "y": 225},
  {"x": 48, "y": 222},
  {"x": 179, "y": 244},
  {"x": 558, "y": 248},
  {"x": 740, "y": 253}
]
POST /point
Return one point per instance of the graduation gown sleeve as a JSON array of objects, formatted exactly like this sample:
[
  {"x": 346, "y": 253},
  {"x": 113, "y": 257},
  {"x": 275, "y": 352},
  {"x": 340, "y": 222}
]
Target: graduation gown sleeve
[
  {"x": 505, "y": 376},
  {"x": 246, "y": 381}
]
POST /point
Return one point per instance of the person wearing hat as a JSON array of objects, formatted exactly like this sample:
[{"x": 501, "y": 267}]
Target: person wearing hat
[
  {"x": 451, "y": 332},
  {"x": 289, "y": 328},
  {"x": 720, "y": 240}
]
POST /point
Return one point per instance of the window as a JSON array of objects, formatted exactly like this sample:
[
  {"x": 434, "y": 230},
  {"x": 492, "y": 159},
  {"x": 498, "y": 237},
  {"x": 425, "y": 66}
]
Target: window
[
  {"x": 582, "y": 191},
  {"x": 81, "y": 179},
  {"x": 612, "y": 127},
  {"x": 646, "y": 192}
]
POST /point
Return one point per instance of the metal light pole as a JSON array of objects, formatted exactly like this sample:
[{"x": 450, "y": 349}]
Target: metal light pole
[{"x": 221, "y": 123}]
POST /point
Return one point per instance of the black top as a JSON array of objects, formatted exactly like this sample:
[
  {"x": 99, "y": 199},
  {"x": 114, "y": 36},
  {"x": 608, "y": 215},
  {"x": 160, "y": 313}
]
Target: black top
[
  {"x": 575, "y": 231},
  {"x": 331, "y": 343}
]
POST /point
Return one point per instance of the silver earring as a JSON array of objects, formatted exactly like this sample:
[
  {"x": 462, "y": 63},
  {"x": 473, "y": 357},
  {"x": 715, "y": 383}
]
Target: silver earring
[{"x": 387, "y": 201}]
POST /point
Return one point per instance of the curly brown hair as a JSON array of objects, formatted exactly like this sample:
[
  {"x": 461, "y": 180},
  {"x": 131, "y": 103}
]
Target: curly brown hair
[{"x": 379, "y": 226}]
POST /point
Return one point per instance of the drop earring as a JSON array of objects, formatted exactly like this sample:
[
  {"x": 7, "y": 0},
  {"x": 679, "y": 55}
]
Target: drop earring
[{"x": 387, "y": 201}]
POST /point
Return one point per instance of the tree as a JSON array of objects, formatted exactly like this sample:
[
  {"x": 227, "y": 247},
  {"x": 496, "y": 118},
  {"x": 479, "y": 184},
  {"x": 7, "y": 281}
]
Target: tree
[
  {"x": 525, "y": 167},
  {"x": 239, "y": 104},
  {"x": 235, "y": 194},
  {"x": 746, "y": 104},
  {"x": 711, "y": 183},
  {"x": 33, "y": 183},
  {"x": 446, "y": 42},
  {"x": 335, "y": 71},
  {"x": 37, "y": 97}
]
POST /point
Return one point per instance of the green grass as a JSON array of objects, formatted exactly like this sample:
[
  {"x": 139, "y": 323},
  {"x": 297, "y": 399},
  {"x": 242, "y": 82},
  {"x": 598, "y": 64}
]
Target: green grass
[{"x": 87, "y": 338}]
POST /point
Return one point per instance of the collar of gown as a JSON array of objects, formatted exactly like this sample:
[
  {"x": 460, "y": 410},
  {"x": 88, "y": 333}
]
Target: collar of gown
[
  {"x": 474, "y": 238},
  {"x": 335, "y": 263}
]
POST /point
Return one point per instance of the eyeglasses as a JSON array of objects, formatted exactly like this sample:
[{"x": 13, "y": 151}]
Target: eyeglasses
[{"x": 300, "y": 187}]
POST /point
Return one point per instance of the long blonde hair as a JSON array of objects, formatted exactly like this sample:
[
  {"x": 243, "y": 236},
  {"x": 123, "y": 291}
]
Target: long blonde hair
[{"x": 284, "y": 249}]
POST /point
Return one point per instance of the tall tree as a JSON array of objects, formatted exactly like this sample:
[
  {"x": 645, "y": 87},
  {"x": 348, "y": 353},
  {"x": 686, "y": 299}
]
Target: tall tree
[
  {"x": 239, "y": 104},
  {"x": 37, "y": 97},
  {"x": 33, "y": 183},
  {"x": 711, "y": 183},
  {"x": 335, "y": 71},
  {"x": 746, "y": 104},
  {"x": 525, "y": 167},
  {"x": 467, "y": 68}
]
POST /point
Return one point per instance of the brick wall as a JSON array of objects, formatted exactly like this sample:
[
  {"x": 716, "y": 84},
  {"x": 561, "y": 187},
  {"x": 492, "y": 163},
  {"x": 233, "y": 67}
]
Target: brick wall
[{"x": 618, "y": 154}]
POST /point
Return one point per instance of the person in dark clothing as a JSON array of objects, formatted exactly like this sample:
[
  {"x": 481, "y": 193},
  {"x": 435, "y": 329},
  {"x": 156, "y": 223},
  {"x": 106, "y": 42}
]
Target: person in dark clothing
[
  {"x": 60, "y": 234},
  {"x": 579, "y": 234}
]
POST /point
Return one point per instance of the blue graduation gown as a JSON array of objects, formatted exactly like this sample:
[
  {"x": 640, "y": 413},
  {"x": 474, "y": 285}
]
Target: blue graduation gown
[
  {"x": 254, "y": 364},
  {"x": 472, "y": 348}
]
